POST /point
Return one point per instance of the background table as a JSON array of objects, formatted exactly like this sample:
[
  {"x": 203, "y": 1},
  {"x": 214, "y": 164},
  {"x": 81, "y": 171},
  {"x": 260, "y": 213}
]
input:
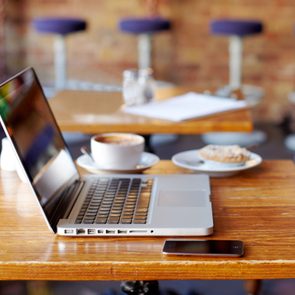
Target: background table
[
  {"x": 96, "y": 112},
  {"x": 256, "y": 206}
]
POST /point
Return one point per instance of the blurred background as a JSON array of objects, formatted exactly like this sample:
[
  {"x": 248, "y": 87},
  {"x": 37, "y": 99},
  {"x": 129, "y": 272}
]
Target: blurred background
[{"x": 188, "y": 54}]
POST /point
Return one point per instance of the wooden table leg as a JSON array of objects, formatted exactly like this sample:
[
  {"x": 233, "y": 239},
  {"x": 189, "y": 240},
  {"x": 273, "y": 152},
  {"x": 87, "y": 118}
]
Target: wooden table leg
[
  {"x": 252, "y": 287},
  {"x": 140, "y": 287}
]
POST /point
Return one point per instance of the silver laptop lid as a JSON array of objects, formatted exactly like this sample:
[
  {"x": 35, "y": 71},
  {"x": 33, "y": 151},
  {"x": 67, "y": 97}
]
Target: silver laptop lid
[{"x": 29, "y": 123}]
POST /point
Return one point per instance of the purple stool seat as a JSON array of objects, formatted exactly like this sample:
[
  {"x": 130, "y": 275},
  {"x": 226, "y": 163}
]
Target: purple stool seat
[
  {"x": 239, "y": 28},
  {"x": 144, "y": 25},
  {"x": 59, "y": 25}
]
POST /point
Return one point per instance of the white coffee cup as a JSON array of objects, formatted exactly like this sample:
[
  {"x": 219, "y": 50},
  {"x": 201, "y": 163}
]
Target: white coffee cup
[{"x": 117, "y": 150}]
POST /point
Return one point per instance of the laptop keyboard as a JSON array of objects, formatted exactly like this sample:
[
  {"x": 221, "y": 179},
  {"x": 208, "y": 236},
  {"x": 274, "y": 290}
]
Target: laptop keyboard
[{"x": 116, "y": 201}]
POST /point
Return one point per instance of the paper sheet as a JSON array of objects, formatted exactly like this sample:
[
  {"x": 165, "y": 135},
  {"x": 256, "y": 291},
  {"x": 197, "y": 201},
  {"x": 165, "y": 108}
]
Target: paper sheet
[{"x": 188, "y": 106}]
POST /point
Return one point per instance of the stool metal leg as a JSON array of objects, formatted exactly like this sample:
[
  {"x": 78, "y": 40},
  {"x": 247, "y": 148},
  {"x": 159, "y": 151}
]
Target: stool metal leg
[
  {"x": 144, "y": 51},
  {"x": 60, "y": 62},
  {"x": 235, "y": 61}
]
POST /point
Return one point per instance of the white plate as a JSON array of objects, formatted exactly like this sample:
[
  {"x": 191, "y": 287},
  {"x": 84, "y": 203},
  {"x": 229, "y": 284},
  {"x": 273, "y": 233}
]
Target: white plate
[
  {"x": 190, "y": 160},
  {"x": 147, "y": 161}
]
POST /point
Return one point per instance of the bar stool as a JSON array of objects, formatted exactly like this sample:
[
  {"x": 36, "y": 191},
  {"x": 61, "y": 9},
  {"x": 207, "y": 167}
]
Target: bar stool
[
  {"x": 144, "y": 28},
  {"x": 61, "y": 27},
  {"x": 237, "y": 30}
]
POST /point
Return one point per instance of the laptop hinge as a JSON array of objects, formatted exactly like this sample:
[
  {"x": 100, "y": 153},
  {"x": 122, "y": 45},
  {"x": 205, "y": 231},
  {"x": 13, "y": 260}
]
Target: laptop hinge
[{"x": 65, "y": 203}]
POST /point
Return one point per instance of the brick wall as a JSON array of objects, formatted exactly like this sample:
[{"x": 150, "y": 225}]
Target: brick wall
[{"x": 187, "y": 55}]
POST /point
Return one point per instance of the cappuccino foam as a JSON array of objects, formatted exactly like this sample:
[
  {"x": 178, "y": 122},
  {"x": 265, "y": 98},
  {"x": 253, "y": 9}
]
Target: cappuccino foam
[{"x": 119, "y": 140}]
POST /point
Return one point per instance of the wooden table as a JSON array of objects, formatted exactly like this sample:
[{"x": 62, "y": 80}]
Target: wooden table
[
  {"x": 96, "y": 112},
  {"x": 256, "y": 206}
]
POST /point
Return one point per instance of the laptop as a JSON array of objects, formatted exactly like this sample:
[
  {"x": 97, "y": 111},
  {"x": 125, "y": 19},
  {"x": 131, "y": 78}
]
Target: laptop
[{"x": 95, "y": 204}]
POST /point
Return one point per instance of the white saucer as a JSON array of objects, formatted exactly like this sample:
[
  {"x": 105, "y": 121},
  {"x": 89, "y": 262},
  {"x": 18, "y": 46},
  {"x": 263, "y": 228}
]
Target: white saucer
[
  {"x": 190, "y": 160},
  {"x": 147, "y": 161}
]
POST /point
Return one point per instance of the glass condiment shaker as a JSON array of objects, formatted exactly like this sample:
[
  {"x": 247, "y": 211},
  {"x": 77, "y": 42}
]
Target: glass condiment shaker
[
  {"x": 146, "y": 83},
  {"x": 131, "y": 88}
]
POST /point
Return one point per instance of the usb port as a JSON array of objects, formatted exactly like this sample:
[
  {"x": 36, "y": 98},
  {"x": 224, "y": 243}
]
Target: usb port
[
  {"x": 109, "y": 231},
  {"x": 69, "y": 231},
  {"x": 80, "y": 231},
  {"x": 122, "y": 231},
  {"x": 91, "y": 231}
]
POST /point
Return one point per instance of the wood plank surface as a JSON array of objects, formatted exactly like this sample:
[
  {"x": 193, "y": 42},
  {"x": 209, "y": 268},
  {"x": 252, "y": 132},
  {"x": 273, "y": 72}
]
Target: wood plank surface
[
  {"x": 256, "y": 206},
  {"x": 97, "y": 112}
]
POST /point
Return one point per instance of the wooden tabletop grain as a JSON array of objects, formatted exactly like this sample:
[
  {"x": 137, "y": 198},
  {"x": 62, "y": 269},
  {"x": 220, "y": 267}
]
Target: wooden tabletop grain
[
  {"x": 96, "y": 112},
  {"x": 256, "y": 206}
]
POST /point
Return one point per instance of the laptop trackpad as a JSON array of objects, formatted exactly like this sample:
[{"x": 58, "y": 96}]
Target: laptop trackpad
[{"x": 182, "y": 198}]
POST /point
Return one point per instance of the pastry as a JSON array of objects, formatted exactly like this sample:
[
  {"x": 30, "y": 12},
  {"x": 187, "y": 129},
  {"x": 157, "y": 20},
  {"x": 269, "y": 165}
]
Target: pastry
[{"x": 227, "y": 154}]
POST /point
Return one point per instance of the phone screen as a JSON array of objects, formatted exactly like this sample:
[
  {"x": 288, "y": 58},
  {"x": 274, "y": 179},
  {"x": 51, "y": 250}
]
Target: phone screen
[{"x": 232, "y": 248}]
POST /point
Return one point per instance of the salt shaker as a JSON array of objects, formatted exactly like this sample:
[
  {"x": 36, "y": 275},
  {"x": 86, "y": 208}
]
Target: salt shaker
[
  {"x": 131, "y": 88},
  {"x": 146, "y": 82}
]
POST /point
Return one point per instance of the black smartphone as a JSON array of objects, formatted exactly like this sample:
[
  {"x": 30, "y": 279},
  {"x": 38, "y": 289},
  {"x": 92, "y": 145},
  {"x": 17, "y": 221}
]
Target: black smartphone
[{"x": 229, "y": 248}]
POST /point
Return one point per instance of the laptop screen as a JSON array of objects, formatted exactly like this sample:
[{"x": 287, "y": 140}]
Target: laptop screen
[{"x": 30, "y": 124}]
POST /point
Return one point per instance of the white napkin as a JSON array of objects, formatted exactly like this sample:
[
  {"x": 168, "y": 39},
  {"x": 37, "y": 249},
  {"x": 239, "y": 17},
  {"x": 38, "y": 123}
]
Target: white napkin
[{"x": 188, "y": 106}]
